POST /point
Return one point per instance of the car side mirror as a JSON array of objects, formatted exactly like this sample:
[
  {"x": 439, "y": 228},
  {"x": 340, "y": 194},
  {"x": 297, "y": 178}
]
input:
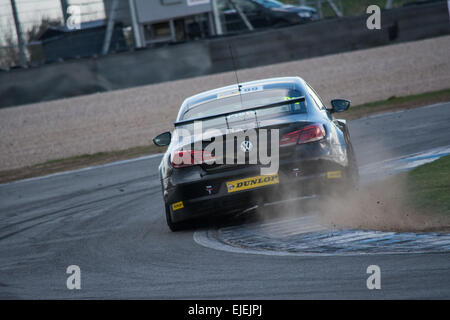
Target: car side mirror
[
  {"x": 339, "y": 105},
  {"x": 162, "y": 139}
]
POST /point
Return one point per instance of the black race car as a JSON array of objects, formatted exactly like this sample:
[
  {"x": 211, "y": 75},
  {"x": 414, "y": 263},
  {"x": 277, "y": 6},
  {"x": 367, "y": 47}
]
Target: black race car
[{"x": 249, "y": 144}]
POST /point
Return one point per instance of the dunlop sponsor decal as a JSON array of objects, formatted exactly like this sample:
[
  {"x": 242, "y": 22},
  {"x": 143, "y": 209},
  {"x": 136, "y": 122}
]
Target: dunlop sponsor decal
[{"x": 252, "y": 182}]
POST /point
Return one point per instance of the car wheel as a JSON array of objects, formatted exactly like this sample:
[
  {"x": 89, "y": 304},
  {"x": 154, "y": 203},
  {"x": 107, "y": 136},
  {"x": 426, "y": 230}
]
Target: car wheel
[
  {"x": 353, "y": 170},
  {"x": 174, "y": 226}
]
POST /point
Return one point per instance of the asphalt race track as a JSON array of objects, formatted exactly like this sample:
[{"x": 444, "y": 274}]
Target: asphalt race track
[{"x": 109, "y": 221}]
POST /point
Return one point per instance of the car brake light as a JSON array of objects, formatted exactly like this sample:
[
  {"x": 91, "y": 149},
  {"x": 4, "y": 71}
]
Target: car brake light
[
  {"x": 311, "y": 133},
  {"x": 187, "y": 158}
]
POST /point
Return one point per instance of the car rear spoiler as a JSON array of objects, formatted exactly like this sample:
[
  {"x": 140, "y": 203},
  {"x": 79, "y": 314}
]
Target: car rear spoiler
[{"x": 225, "y": 114}]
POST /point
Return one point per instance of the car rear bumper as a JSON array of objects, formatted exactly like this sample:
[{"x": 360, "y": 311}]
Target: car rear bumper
[{"x": 298, "y": 178}]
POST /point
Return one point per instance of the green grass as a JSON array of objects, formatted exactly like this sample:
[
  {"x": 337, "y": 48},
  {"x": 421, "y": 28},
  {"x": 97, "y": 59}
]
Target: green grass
[
  {"x": 107, "y": 155},
  {"x": 397, "y": 103},
  {"x": 396, "y": 100},
  {"x": 428, "y": 187},
  {"x": 76, "y": 162}
]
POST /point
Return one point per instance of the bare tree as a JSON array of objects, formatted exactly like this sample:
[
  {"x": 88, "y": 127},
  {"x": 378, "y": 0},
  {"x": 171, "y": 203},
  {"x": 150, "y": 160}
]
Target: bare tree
[
  {"x": 33, "y": 35},
  {"x": 9, "y": 52}
]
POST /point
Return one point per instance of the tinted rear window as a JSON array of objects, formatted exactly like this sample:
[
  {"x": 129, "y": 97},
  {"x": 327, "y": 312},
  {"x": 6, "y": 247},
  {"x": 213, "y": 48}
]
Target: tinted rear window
[{"x": 236, "y": 102}]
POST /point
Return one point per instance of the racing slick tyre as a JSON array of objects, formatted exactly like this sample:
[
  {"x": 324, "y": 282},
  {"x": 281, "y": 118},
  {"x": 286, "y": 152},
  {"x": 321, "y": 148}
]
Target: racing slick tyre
[
  {"x": 351, "y": 182},
  {"x": 174, "y": 226}
]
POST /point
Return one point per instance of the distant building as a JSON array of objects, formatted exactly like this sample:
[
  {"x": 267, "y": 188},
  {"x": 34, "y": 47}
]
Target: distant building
[
  {"x": 59, "y": 42},
  {"x": 160, "y": 21}
]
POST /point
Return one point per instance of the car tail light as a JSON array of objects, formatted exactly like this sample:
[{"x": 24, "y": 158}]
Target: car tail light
[
  {"x": 187, "y": 158},
  {"x": 311, "y": 133}
]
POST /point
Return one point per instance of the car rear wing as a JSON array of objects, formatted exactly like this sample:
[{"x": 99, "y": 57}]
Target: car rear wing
[{"x": 225, "y": 114}]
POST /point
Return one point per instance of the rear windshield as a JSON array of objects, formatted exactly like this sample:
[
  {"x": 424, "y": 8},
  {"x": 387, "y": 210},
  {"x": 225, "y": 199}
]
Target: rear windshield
[{"x": 236, "y": 102}]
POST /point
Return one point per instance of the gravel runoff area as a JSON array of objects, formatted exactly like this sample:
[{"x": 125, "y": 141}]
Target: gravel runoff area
[{"x": 122, "y": 119}]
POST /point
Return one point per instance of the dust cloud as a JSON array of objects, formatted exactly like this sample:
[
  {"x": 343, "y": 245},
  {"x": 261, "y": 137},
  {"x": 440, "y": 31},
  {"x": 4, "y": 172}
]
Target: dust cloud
[{"x": 381, "y": 205}]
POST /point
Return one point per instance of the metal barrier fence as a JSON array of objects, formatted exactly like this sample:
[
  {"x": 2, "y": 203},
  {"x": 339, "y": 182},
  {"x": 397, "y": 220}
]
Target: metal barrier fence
[
  {"x": 84, "y": 76},
  {"x": 34, "y": 32}
]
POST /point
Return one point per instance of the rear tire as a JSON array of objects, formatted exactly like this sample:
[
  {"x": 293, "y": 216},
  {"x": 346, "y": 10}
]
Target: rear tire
[
  {"x": 174, "y": 226},
  {"x": 353, "y": 170}
]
